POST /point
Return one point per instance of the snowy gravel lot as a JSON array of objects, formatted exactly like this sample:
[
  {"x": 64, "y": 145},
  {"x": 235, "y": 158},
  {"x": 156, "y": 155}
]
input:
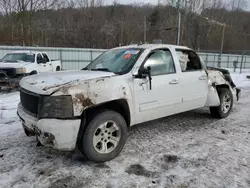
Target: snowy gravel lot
[{"x": 191, "y": 149}]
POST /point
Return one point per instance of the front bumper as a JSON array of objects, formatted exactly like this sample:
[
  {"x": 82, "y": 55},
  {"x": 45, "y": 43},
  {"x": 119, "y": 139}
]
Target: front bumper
[
  {"x": 55, "y": 133},
  {"x": 6, "y": 81}
]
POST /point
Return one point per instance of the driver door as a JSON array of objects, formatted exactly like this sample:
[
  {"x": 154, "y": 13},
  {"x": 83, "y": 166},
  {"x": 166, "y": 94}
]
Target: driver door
[{"x": 165, "y": 96}]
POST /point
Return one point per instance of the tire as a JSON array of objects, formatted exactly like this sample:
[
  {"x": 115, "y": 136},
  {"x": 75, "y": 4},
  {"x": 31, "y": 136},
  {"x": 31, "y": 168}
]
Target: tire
[
  {"x": 224, "y": 109},
  {"x": 99, "y": 133},
  {"x": 58, "y": 69}
]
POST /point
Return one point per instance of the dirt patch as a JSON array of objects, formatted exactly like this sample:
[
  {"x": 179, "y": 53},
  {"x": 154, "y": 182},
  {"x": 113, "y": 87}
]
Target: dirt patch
[
  {"x": 109, "y": 186},
  {"x": 19, "y": 180},
  {"x": 85, "y": 101},
  {"x": 168, "y": 161},
  {"x": 223, "y": 132},
  {"x": 170, "y": 158},
  {"x": 248, "y": 182},
  {"x": 139, "y": 170},
  {"x": 69, "y": 181},
  {"x": 46, "y": 172},
  {"x": 102, "y": 165},
  {"x": 195, "y": 163}
]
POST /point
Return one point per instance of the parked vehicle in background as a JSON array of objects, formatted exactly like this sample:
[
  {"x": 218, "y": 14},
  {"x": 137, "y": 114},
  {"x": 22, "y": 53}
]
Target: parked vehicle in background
[
  {"x": 17, "y": 64},
  {"x": 93, "y": 108}
]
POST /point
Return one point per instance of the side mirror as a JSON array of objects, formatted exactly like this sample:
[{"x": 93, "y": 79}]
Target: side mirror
[{"x": 143, "y": 73}]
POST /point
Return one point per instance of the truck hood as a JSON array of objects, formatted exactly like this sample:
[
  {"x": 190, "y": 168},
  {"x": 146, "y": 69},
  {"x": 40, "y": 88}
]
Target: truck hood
[
  {"x": 13, "y": 64},
  {"x": 47, "y": 83}
]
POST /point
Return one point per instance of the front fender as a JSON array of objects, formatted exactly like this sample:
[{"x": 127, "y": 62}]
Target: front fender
[{"x": 91, "y": 93}]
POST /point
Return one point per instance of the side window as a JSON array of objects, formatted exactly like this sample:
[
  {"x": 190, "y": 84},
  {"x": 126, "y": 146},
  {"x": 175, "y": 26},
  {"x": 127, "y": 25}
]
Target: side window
[
  {"x": 161, "y": 62},
  {"x": 46, "y": 57},
  {"x": 189, "y": 60},
  {"x": 39, "y": 58}
]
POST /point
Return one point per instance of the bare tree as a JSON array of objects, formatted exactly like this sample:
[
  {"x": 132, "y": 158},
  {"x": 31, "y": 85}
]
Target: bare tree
[
  {"x": 238, "y": 4},
  {"x": 82, "y": 23}
]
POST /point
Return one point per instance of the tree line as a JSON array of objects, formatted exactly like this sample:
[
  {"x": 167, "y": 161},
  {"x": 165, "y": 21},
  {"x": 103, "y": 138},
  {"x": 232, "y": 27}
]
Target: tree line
[{"x": 90, "y": 24}]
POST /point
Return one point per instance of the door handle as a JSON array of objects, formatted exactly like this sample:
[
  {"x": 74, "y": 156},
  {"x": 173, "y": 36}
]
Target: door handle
[
  {"x": 203, "y": 78},
  {"x": 174, "y": 81},
  {"x": 44, "y": 65}
]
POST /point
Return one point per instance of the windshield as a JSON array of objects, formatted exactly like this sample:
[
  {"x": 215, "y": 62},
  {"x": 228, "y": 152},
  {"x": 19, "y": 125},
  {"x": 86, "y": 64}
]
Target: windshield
[
  {"x": 119, "y": 61},
  {"x": 14, "y": 57}
]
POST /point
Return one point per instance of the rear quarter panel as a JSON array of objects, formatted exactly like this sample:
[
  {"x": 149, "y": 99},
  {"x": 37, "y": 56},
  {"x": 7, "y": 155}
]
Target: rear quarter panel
[{"x": 56, "y": 64}]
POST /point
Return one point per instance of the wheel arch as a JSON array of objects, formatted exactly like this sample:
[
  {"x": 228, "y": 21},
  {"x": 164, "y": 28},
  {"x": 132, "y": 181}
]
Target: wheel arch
[
  {"x": 224, "y": 86},
  {"x": 58, "y": 68},
  {"x": 120, "y": 105},
  {"x": 33, "y": 72}
]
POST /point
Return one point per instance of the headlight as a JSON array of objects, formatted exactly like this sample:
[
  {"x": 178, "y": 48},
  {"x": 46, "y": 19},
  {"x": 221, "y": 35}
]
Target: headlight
[
  {"x": 55, "y": 107},
  {"x": 20, "y": 70}
]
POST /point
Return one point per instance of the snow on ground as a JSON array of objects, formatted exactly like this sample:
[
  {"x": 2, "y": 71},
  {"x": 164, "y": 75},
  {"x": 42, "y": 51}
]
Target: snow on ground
[{"x": 191, "y": 149}]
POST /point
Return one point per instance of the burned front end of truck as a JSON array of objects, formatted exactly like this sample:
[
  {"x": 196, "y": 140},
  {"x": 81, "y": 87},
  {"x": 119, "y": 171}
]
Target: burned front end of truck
[{"x": 46, "y": 116}]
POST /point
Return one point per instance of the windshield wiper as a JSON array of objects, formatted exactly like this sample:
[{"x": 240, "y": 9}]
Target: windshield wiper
[
  {"x": 102, "y": 69},
  {"x": 98, "y": 69}
]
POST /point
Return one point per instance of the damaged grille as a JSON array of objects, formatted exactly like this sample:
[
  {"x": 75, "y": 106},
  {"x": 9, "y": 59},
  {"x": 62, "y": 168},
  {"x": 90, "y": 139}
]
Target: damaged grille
[
  {"x": 10, "y": 72},
  {"x": 29, "y": 101}
]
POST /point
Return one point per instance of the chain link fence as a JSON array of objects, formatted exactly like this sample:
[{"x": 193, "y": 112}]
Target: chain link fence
[
  {"x": 77, "y": 58},
  {"x": 237, "y": 60}
]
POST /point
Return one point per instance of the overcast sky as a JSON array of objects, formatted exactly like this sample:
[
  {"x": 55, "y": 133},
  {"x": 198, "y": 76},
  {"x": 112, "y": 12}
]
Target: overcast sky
[{"x": 147, "y": 1}]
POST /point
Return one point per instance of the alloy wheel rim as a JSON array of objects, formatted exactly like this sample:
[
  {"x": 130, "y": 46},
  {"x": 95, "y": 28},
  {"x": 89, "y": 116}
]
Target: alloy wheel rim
[
  {"x": 226, "y": 104},
  {"x": 106, "y": 137}
]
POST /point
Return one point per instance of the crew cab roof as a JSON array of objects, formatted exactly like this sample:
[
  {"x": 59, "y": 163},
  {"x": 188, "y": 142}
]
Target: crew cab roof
[
  {"x": 153, "y": 46},
  {"x": 23, "y": 51}
]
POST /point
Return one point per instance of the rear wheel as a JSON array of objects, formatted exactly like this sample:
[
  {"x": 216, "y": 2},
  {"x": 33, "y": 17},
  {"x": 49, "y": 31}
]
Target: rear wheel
[
  {"x": 226, "y": 104},
  {"x": 104, "y": 137},
  {"x": 58, "y": 69}
]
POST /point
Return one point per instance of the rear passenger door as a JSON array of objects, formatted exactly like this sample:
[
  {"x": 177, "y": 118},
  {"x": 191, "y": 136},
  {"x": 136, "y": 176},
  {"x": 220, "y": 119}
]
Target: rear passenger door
[
  {"x": 193, "y": 80},
  {"x": 165, "y": 97}
]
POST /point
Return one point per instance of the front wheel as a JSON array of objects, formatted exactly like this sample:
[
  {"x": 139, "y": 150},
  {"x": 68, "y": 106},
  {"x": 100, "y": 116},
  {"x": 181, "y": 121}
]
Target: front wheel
[
  {"x": 104, "y": 137},
  {"x": 226, "y": 104}
]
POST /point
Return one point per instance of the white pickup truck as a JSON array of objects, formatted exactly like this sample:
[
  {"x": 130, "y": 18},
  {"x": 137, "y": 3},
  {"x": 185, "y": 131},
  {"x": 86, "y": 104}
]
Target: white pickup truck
[
  {"x": 93, "y": 108},
  {"x": 17, "y": 64}
]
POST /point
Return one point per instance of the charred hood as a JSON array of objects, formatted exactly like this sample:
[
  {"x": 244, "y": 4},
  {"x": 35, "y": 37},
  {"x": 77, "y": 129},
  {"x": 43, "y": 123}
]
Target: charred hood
[{"x": 47, "y": 83}]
